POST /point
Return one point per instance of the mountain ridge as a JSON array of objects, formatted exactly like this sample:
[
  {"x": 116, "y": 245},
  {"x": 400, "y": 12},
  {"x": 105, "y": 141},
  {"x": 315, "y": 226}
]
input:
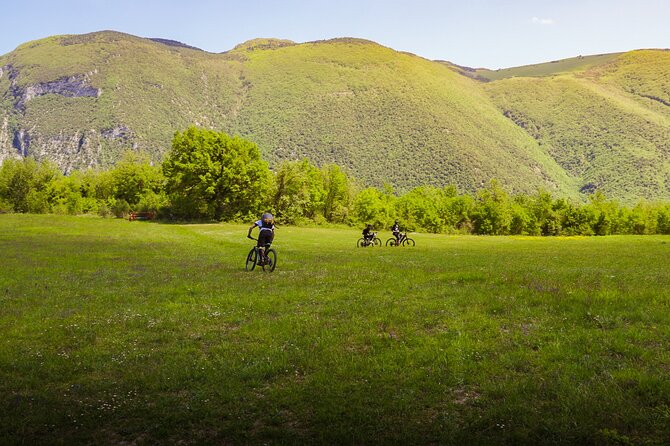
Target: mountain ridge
[{"x": 387, "y": 117}]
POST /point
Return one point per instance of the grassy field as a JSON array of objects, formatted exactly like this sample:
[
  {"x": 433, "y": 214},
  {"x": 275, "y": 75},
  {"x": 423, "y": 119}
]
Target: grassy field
[{"x": 140, "y": 333}]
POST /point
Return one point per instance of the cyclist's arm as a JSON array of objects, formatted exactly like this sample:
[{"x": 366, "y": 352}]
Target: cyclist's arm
[{"x": 251, "y": 229}]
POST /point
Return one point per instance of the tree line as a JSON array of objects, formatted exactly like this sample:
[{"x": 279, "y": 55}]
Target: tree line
[{"x": 209, "y": 175}]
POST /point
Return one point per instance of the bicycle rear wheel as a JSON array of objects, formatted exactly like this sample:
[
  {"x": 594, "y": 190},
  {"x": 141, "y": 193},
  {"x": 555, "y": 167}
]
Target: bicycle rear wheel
[
  {"x": 390, "y": 242},
  {"x": 408, "y": 242},
  {"x": 270, "y": 260},
  {"x": 251, "y": 260},
  {"x": 361, "y": 243}
]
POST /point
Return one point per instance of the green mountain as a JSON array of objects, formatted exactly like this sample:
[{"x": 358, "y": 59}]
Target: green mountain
[
  {"x": 571, "y": 65},
  {"x": 607, "y": 124},
  {"x": 595, "y": 123}
]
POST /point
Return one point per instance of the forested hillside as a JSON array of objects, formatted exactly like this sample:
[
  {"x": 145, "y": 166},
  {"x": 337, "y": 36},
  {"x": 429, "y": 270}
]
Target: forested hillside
[
  {"x": 571, "y": 127},
  {"x": 608, "y": 125}
]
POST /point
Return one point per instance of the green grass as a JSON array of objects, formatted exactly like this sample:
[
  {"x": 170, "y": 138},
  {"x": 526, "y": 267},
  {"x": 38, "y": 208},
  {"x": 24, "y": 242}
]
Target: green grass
[
  {"x": 144, "y": 333},
  {"x": 573, "y": 64}
]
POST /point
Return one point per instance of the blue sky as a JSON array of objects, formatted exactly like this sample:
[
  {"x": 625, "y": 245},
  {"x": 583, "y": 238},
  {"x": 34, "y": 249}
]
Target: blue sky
[{"x": 477, "y": 33}]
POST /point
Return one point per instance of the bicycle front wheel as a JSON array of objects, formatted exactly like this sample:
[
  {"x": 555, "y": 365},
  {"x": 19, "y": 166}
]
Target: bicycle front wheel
[
  {"x": 251, "y": 260},
  {"x": 270, "y": 260},
  {"x": 376, "y": 242},
  {"x": 408, "y": 242}
]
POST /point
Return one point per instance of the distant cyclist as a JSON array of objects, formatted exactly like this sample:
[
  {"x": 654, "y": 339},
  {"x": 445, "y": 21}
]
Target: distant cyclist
[
  {"x": 368, "y": 235},
  {"x": 266, "y": 233},
  {"x": 395, "y": 229}
]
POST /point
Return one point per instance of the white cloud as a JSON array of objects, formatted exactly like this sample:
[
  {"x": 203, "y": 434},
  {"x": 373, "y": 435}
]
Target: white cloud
[{"x": 541, "y": 21}]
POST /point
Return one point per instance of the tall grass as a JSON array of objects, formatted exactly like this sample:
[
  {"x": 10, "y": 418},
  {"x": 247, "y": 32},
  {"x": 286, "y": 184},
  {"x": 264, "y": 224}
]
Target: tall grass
[{"x": 118, "y": 332}]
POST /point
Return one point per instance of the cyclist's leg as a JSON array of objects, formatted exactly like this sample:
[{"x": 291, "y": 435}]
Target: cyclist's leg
[
  {"x": 269, "y": 237},
  {"x": 264, "y": 240},
  {"x": 261, "y": 247}
]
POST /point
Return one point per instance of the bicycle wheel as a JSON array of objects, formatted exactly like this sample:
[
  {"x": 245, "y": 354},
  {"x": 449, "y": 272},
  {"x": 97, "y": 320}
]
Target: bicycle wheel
[
  {"x": 251, "y": 260},
  {"x": 408, "y": 242},
  {"x": 361, "y": 243},
  {"x": 270, "y": 260},
  {"x": 376, "y": 241},
  {"x": 390, "y": 242}
]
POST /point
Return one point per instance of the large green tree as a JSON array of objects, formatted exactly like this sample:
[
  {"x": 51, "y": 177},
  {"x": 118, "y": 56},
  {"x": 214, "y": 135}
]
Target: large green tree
[
  {"x": 299, "y": 191},
  {"x": 213, "y": 175},
  {"x": 338, "y": 193},
  {"x": 492, "y": 214},
  {"x": 375, "y": 207},
  {"x": 134, "y": 177}
]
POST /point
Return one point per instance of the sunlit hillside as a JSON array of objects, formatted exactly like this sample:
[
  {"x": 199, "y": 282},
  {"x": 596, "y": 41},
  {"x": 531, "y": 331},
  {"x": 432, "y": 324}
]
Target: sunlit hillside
[
  {"x": 608, "y": 125},
  {"x": 573, "y": 64},
  {"x": 571, "y": 127},
  {"x": 386, "y": 116}
]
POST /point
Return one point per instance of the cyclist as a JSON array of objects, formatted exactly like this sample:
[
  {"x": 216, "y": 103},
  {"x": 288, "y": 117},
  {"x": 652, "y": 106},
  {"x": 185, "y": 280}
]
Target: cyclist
[
  {"x": 395, "y": 229},
  {"x": 368, "y": 235},
  {"x": 266, "y": 227}
]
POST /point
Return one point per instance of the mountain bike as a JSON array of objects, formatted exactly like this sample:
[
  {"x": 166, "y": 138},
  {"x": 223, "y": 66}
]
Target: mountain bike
[
  {"x": 403, "y": 240},
  {"x": 372, "y": 241},
  {"x": 268, "y": 263}
]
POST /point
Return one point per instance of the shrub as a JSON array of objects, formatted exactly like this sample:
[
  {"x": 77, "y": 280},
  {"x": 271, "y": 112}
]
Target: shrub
[
  {"x": 151, "y": 201},
  {"x": 5, "y": 206},
  {"x": 120, "y": 208},
  {"x": 104, "y": 210},
  {"x": 37, "y": 202},
  {"x": 663, "y": 225}
]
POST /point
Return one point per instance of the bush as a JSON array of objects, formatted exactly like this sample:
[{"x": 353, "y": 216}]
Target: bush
[
  {"x": 152, "y": 201},
  {"x": 120, "y": 208},
  {"x": 104, "y": 210},
  {"x": 134, "y": 177},
  {"x": 521, "y": 223},
  {"x": 5, "y": 206},
  {"x": 37, "y": 202},
  {"x": 210, "y": 175},
  {"x": 372, "y": 206},
  {"x": 663, "y": 225}
]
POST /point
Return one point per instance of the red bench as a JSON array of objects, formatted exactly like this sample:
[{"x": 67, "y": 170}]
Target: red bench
[{"x": 142, "y": 216}]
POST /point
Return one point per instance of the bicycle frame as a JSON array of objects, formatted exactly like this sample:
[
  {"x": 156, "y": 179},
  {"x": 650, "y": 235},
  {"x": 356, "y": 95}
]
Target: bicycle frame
[{"x": 268, "y": 259}]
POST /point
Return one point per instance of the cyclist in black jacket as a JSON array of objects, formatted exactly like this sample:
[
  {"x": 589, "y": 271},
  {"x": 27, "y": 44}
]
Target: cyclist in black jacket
[
  {"x": 368, "y": 235},
  {"x": 396, "y": 232},
  {"x": 266, "y": 233}
]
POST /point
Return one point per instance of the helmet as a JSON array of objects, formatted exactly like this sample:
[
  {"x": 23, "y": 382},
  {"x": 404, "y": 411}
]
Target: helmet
[{"x": 267, "y": 218}]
